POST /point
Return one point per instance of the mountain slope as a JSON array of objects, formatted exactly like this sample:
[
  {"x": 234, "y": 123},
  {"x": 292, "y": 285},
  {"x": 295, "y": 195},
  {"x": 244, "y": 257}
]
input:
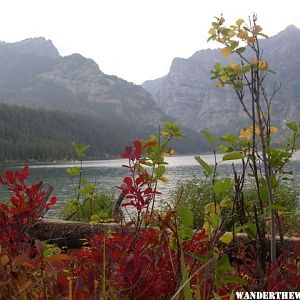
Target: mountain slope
[
  {"x": 188, "y": 94},
  {"x": 33, "y": 74},
  {"x": 77, "y": 94}
]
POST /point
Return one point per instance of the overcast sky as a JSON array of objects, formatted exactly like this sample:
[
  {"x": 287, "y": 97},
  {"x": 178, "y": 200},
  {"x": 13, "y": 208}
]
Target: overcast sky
[{"x": 134, "y": 39}]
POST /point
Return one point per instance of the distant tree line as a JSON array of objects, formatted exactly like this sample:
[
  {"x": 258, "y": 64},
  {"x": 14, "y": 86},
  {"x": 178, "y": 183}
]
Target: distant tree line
[{"x": 27, "y": 133}]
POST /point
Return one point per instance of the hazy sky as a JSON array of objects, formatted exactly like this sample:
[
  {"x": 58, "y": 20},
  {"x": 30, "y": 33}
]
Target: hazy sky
[{"x": 134, "y": 39}]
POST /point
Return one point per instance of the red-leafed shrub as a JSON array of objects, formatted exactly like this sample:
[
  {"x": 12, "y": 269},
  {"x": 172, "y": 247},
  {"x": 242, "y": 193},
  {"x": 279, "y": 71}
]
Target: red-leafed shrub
[{"x": 25, "y": 207}]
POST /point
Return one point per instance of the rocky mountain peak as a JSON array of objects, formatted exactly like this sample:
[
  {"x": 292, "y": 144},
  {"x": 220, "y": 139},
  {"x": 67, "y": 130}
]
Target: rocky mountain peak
[
  {"x": 39, "y": 46},
  {"x": 77, "y": 61}
]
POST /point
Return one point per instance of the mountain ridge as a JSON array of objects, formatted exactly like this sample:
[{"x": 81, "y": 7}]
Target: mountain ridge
[
  {"x": 187, "y": 87},
  {"x": 34, "y": 75}
]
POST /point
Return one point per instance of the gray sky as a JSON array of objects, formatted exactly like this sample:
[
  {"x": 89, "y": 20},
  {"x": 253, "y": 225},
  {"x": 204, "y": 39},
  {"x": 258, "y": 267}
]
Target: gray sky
[{"x": 134, "y": 39}]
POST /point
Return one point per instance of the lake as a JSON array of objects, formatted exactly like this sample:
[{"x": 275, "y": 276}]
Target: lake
[{"x": 107, "y": 174}]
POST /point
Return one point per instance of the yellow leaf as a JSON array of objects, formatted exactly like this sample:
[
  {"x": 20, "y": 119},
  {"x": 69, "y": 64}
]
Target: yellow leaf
[
  {"x": 163, "y": 179},
  {"x": 212, "y": 32},
  {"x": 250, "y": 40},
  {"x": 233, "y": 65},
  {"x": 226, "y": 51},
  {"x": 231, "y": 34},
  {"x": 221, "y": 40},
  {"x": 243, "y": 34},
  {"x": 239, "y": 22},
  {"x": 257, "y": 29},
  {"x": 227, "y": 237},
  {"x": 221, "y": 21},
  {"x": 168, "y": 152},
  {"x": 273, "y": 129},
  {"x": 263, "y": 65},
  {"x": 246, "y": 133},
  {"x": 4, "y": 259},
  {"x": 220, "y": 85},
  {"x": 257, "y": 130}
]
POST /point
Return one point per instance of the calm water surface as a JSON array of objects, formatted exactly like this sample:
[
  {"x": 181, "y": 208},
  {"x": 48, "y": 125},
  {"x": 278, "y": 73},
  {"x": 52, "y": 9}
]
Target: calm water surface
[{"x": 107, "y": 174}]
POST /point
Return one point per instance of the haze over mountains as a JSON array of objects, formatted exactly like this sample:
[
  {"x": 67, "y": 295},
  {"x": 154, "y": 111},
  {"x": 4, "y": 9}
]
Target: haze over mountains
[
  {"x": 70, "y": 99},
  {"x": 110, "y": 111},
  {"x": 188, "y": 94}
]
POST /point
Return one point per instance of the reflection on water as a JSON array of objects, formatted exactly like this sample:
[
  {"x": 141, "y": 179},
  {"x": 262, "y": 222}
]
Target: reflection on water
[{"x": 107, "y": 174}]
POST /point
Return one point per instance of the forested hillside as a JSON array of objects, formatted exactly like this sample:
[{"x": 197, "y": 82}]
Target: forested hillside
[
  {"x": 27, "y": 133},
  {"x": 45, "y": 135}
]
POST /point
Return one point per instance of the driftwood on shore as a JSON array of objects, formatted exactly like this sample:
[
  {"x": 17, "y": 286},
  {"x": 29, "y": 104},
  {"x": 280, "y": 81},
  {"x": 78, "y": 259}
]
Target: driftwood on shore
[{"x": 73, "y": 234}]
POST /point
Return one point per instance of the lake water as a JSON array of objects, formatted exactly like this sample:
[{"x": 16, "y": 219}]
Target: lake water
[{"x": 107, "y": 174}]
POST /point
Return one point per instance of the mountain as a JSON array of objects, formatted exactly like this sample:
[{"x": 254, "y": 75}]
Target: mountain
[
  {"x": 77, "y": 102},
  {"x": 188, "y": 94},
  {"x": 32, "y": 73}
]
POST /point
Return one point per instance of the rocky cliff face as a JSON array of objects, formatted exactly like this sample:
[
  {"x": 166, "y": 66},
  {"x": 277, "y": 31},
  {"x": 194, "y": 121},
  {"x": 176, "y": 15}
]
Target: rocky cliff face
[{"x": 188, "y": 94}]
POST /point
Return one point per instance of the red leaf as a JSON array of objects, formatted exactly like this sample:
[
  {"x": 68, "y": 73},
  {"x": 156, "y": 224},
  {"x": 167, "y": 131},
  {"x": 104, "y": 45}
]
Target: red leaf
[
  {"x": 10, "y": 177},
  {"x": 138, "y": 149},
  {"x": 148, "y": 190},
  {"x": 128, "y": 181},
  {"x": 24, "y": 173},
  {"x": 53, "y": 201},
  {"x": 150, "y": 144},
  {"x": 128, "y": 150},
  {"x": 4, "y": 207},
  {"x": 15, "y": 202},
  {"x": 124, "y": 155}
]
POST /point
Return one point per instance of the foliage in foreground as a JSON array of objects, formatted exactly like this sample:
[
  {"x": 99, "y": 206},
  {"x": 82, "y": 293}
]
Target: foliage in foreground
[
  {"x": 197, "y": 193},
  {"x": 143, "y": 262}
]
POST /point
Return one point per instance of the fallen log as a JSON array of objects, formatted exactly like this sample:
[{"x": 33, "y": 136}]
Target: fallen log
[
  {"x": 73, "y": 234},
  {"x": 69, "y": 234}
]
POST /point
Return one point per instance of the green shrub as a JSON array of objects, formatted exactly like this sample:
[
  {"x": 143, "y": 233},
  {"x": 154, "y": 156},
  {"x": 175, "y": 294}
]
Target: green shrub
[
  {"x": 193, "y": 194},
  {"x": 97, "y": 207},
  {"x": 196, "y": 193}
]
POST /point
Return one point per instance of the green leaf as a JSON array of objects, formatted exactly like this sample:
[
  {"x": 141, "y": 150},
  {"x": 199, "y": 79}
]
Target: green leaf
[
  {"x": 172, "y": 128},
  {"x": 226, "y": 202},
  {"x": 213, "y": 220},
  {"x": 292, "y": 125},
  {"x": 233, "y": 44},
  {"x": 222, "y": 186},
  {"x": 87, "y": 189},
  {"x": 225, "y": 149},
  {"x": 160, "y": 170},
  {"x": 249, "y": 228},
  {"x": 207, "y": 169},
  {"x": 229, "y": 137},
  {"x": 234, "y": 279},
  {"x": 186, "y": 216},
  {"x": 73, "y": 171},
  {"x": 226, "y": 238},
  {"x": 185, "y": 275},
  {"x": 80, "y": 150},
  {"x": 240, "y": 50},
  {"x": 233, "y": 155},
  {"x": 223, "y": 265},
  {"x": 208, "y": 135},
  {"x": 276, "y": 207}
]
